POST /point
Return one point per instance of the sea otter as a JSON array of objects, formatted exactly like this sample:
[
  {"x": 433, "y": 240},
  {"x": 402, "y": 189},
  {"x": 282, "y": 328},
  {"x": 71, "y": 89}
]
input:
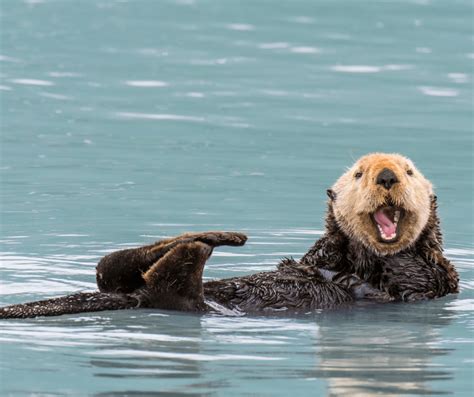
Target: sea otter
[{"x": 382, "y": 242}]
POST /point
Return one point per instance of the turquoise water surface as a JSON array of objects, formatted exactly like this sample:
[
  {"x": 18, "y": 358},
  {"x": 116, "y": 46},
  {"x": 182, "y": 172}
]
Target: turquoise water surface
[{"x": 123, "y": 122}]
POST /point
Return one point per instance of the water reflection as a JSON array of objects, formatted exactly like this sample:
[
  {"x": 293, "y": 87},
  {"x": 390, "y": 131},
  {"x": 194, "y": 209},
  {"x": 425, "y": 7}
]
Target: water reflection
[
  {"x": 384, "y": 350},
  {"x": 368, "y": 350}
]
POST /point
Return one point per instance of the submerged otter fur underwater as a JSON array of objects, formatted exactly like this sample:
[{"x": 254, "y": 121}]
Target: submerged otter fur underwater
[{"x": 382, "y": 242}]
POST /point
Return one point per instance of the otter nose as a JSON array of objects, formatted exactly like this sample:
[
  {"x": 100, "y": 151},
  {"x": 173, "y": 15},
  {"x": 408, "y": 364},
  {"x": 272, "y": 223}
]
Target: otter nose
[{"x": 387, "y": 178}]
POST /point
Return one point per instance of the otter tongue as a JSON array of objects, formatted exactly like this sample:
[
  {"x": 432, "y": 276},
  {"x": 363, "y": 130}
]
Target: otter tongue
[{"x": 385, "y": 223}]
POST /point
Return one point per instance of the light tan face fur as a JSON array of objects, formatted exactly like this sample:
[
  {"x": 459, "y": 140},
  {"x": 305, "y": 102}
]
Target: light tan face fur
[{"x": 358, "y": 197}]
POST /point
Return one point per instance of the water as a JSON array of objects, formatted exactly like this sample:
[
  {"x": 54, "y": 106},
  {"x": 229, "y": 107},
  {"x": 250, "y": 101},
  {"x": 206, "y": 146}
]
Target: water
[{"x": 124, "y": 122}]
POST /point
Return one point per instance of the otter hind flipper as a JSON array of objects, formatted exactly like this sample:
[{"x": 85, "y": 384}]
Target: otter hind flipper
[
  {"x": 121, "y": 271},
  {"x": 175, "y": 281},
  {"x": 70, "y": 304},
  {"x": 215, "y": 239},
  {"x": 212, "y": 238}
]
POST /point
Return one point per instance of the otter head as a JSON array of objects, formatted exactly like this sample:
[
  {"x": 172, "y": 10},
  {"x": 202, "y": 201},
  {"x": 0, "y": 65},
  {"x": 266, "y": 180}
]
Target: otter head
[{"x": 383, "y": 202}]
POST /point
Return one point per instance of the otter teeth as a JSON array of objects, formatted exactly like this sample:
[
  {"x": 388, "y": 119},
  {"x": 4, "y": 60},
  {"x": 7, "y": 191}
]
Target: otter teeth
[{"x": 384, "y": 236}]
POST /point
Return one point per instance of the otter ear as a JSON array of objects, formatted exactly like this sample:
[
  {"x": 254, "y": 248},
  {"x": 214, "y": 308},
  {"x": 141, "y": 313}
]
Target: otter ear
[{"x": 331, "y": 194}]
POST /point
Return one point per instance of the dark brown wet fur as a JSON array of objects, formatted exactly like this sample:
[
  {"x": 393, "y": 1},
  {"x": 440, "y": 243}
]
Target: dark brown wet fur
[{"x": 291, "y": 287}]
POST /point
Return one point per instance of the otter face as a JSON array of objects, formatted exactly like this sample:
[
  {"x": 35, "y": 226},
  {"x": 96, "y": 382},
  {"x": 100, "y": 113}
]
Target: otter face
[{"x": 382, "y": 201}]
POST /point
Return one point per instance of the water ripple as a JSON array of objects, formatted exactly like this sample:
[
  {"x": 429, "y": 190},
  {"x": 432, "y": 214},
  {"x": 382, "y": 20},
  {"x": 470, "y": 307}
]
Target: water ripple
[
  {"x": 59, "y": 97},
  {"x": 64, "y": 74},
  {"x": 158, "y": 116},
  {"x": 305, "y": 50},
  {"x": 440, "y": 92},
  {"x": 461, "y": 305},
  {"x": 32, "y": 82},
  {"x": 243, "y": 27},
  {"x": 146, "y": 83},
  {"x": 181, "y": 356},
  {"x": 458, "y": 77},
  {"x": 369, "y": 68},
  {"x": 274, "y": 46}
]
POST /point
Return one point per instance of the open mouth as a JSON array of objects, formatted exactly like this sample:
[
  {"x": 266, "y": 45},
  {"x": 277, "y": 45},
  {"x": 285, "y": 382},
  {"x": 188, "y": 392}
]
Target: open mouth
[{"x": 387, "y": 221}]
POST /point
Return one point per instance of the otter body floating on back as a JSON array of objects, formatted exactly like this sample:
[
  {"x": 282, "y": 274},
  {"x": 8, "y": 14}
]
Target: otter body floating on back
[{"x": 382, "y": 242}]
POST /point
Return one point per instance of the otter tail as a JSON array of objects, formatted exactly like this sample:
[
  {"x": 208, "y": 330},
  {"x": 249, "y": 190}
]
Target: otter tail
[{"x": 77, "y": 303}]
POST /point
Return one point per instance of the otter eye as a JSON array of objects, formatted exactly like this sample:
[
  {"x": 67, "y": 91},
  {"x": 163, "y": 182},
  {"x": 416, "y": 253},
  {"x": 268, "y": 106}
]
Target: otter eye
[
  {"x": 410, "y": 172},
  {"x": 358, "y": 175}
]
